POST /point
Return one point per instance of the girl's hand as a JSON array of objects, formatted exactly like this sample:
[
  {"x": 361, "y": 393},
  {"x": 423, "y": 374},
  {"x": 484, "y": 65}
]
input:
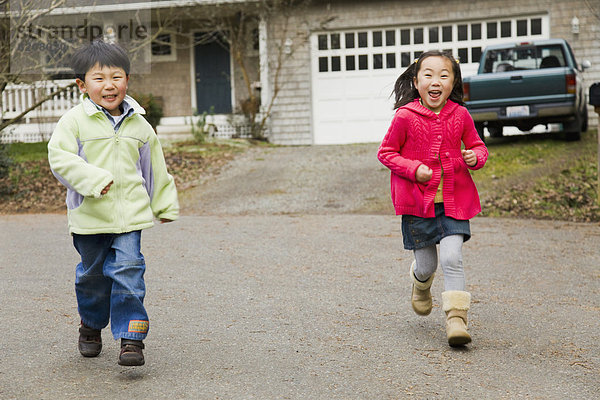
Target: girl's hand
[
  {"x": 470, "y": 157},
  {"x": 106, "y": 189},
  {"x": 423, "y": 174},
  {"x": 165, "y": 221}
]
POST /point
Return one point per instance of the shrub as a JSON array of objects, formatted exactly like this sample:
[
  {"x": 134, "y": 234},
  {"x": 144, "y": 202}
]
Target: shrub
[
  {"x": 5, "y": 161},
  {"x": 199, "y": 129},
  {"x": 153, "y": 107}
]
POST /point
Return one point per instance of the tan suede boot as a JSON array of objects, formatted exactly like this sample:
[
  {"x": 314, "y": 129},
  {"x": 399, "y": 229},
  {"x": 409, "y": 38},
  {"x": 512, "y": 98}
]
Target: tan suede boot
[
  {"x": 421, "y": 293},
  {"x": 456, "y": 303}
]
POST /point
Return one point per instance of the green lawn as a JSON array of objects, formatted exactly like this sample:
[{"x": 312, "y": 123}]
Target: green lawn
[
  {"x": 20, "y": 152},
  {"x": 533, "y": 176}
]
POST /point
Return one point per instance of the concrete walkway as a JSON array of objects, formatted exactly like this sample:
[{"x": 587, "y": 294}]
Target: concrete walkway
[{"x": 251, "y": 305}]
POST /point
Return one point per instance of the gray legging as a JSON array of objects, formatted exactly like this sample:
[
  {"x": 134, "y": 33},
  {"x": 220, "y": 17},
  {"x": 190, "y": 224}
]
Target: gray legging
[{"x": 450, "y": 260}]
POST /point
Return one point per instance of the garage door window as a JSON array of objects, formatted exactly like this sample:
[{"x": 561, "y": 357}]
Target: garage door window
[{"x": 391, "y": 48}]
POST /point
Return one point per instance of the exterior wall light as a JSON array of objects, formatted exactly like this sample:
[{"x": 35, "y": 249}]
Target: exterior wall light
[
  {"x": 575, "y": 25},
  {"x": 287, "y": 46}
]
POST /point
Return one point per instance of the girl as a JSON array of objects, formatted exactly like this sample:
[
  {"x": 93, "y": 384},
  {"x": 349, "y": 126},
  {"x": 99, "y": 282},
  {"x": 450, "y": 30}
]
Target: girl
[{"x": 431, "y": 185}]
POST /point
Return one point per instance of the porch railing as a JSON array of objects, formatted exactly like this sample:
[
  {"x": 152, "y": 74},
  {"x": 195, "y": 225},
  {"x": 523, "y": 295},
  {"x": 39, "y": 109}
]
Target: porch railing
[{"x": 17, "y": 98}]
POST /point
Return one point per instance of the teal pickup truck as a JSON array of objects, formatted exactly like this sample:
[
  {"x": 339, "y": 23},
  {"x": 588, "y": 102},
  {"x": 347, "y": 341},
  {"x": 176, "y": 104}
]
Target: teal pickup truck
[{"x": 527, "y": 84}]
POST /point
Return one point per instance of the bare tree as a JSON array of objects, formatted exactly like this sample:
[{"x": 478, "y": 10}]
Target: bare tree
[
  {"x": 37, "y": 38},
  {"x": 16, "y": 25}
]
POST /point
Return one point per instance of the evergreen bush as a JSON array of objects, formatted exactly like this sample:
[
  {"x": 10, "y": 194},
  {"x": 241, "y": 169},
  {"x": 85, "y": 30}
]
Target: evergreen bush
[{"x": 153, "y": 107}]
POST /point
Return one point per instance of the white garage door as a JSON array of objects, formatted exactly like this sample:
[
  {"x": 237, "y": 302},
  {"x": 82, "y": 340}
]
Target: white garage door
[{"x": 353, "y": 72}]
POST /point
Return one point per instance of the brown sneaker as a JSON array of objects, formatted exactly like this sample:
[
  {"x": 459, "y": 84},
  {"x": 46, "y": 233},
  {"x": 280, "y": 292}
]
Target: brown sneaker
[
  {"x": 90, "y": 341},
  {"x": 131, "y": 353}
]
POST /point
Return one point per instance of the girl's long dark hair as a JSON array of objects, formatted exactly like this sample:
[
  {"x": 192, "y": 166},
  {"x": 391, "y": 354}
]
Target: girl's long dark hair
[{"x": 405, "y": 90}]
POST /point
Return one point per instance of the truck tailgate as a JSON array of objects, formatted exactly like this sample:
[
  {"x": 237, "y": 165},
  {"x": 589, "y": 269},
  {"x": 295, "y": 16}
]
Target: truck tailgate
[{"x": 508, "y": 87}]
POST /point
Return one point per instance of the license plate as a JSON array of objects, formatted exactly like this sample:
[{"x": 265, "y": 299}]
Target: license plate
[{"x": 517, "y": 111}]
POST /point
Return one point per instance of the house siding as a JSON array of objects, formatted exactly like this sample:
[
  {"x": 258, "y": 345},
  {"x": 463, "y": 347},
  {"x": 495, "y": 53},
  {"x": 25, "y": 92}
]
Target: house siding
[
  {"x": 169, "y": 81},
  {"x": 291, "y": 121}
]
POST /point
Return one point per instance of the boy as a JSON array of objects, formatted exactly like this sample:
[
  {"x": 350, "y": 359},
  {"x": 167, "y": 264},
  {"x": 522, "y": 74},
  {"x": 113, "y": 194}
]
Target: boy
[{"x": 112, "y": 164}]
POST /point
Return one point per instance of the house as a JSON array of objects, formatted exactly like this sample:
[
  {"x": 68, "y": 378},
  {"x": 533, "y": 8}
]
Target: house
[{"x": 327, "y": 68}]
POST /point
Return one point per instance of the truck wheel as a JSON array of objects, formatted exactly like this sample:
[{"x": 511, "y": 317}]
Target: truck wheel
[
  {"x": 495, "y": 131},
  {"x": 584, "y": 122},
  {"x": 480, "y": 132},
  {"x": 572, "y": 129}
]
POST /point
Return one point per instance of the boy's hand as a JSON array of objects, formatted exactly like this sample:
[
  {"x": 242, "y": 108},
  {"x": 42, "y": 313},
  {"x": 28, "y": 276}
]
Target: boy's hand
[
  {"x": 423, "y": 174},
  {"x": 165, "y": 221},
  {"x": 106, "y": 189},
  {"x": 470, "y": 157}
]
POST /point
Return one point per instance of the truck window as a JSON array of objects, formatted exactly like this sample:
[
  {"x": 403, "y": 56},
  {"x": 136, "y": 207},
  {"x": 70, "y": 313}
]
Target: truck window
[
  {"x": 524, "y": 58},
  {"x": 551, "y": 57}
]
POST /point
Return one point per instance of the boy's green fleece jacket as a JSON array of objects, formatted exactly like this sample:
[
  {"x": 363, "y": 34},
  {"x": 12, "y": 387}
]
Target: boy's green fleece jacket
[{"x": 86, "y": 154}]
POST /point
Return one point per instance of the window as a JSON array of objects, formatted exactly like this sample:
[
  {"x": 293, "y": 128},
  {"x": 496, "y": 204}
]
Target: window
[
  {"x": 335, "y": 40},
  {"x": 463, "y": 55},
  {"x": 363, "y": 61},
  {"x": 323, "y": 64},
  {"x": 392, "y": 48},
  {"x": 362, "y": 39},
  {"x": 390, "y": 38},
  {"x": 505, "y": 28},
  {"x": 447, "y": 33},
  {"x": 336, "y": 63},
  {"x": 405, "y": 59},
  {"x": 462, "y": 32},
  {"x": 434, "y": 34},
  {"x": 163, "y": 48},
  {"x": 492, "y": 30},
  {"x": 390, "y": 60},
  {"x": 405, "y": 36},
  {"x": 522, "y": 27},
  {"x": 524, "y": 58},
  {"x": 475, "y": 31},
  {"x": 377, "y": 39},
  {"x": 475, "y": 54},
  {"x": 349, "y": 40},
  {"x": 418, "y": 35},
  {"x": 377, "y": 61},
  {"x": 323, "y": 42},
  {"x": 350, "y": 63},
  {"x": 536, "y": 26}
]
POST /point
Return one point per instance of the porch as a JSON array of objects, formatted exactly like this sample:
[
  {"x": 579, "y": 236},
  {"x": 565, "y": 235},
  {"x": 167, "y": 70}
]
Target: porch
[{"x": 38, "y": 124}]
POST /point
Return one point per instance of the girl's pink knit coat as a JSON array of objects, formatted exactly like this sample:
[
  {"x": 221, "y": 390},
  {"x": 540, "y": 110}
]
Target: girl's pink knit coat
[{"x": 418, "y": 136}]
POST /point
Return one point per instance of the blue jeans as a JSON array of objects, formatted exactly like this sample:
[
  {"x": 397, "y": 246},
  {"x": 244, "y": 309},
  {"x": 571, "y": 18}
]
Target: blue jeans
[{"x": 109, "y": 283}]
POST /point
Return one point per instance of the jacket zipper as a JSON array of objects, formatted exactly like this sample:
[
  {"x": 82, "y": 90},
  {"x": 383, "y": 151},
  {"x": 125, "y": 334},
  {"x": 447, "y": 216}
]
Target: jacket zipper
[{"x": 119, "y": 171}]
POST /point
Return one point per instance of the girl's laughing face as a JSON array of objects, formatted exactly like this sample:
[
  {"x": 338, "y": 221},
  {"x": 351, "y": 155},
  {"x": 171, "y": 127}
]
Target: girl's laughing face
[{"x": 434, "y": 81}]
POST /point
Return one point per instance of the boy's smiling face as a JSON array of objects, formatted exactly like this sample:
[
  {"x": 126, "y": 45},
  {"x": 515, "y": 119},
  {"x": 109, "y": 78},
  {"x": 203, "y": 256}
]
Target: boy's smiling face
[{"x": 106, "y": 86}]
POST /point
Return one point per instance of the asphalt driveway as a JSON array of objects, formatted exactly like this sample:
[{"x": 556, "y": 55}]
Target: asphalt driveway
[{"x": 287, "y": 280}]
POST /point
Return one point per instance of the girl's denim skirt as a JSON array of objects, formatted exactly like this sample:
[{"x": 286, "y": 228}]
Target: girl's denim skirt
[{"x": 418, "y": 232}]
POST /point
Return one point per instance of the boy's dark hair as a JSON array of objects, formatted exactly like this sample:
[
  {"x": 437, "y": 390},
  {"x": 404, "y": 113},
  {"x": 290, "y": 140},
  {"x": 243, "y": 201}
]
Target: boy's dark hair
[
  {"x": 99, "y": 52},
  {"x": 405, "y": 90}
]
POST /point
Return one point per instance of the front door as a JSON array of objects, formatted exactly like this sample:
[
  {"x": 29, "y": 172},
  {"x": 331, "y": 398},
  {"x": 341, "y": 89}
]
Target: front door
[{"x": 213, "y": 74}]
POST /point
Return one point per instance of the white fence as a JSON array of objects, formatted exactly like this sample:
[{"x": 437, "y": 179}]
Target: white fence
[
  {"x": 38, "y": 124},
  {"x": 229, "y": 125},
  {"x": 17, "y": 98}
]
